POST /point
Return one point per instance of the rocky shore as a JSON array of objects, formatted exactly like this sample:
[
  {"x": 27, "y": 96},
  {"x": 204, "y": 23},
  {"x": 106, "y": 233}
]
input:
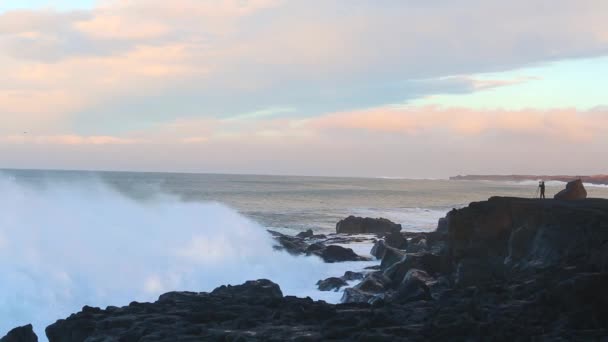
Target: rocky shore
[
  {"x": 505, "y": 269},
  {"x": 595, "y": 179}
]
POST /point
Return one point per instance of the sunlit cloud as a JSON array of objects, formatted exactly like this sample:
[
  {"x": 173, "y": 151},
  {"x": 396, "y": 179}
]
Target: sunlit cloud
[
  {"x": 561, "y": 124},
  {"x": 67, "y": 140}
]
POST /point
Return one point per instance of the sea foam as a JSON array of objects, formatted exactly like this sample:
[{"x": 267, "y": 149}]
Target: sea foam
[{"x": 66, "y": 245}]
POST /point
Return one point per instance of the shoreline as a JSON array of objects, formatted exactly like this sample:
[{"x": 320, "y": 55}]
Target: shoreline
[
  {"x": 595, "y": 179},
  {"x": 506, "y": 268}
]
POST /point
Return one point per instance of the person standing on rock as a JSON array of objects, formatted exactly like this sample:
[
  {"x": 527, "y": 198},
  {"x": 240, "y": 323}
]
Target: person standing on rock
[{"x": 541, "y": 186}]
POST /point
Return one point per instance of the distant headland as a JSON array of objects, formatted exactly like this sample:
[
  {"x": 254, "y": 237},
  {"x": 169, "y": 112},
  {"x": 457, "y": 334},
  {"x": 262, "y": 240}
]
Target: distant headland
[{"x": 596, "y": 179}]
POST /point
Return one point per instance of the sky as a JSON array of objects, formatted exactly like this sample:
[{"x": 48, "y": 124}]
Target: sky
[{"x": 383, "y": 88}]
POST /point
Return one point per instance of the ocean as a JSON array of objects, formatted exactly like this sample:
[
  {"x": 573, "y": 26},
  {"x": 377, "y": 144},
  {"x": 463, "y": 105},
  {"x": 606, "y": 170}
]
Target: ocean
[{"x": 74, "y": 238}]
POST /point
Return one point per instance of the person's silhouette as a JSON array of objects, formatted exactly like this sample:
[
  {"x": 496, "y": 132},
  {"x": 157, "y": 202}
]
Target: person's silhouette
[{"x": 541, "y": 185}]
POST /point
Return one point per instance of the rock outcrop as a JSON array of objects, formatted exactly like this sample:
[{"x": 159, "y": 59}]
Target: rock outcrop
[
  {"x": 21, "y": 334},
  {"x": 360, "y": 225},
  {"x": 575, "y": 190},
  {"x": 297, "y": 245}
]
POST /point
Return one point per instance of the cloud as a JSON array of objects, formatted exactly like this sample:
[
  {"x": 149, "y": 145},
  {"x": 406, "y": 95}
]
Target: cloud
[
  {"x": 316, "y": 56},
  {"x": 560, "y": 124},
  {"x": 117, "y": 27},
  {"x": 67, "y": 140}
]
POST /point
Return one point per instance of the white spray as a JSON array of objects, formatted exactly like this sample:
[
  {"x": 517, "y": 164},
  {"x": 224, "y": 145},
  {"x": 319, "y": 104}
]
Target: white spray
[{"x": 63, "y": 246}]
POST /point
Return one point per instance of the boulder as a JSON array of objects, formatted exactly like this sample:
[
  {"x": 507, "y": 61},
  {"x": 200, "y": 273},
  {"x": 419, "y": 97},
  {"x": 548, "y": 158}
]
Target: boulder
[
  {"x": 427, "y": 262},
  {"x": 21, "y": 334},
  {"x": 413, "y": 287},
  {"x": 332, "y": 283},
  {"x": 378, "y": 249},
  {"x": 291, "y": 244},
  {"x": 396, "y": 240},
  {"x": 354, "y": 295},
  {"x": 374, "y": 282},
  {"x": 350, "y": 275},
  {"x": 335, "y": 253},
  {"x": 575, "y": 190},
  {"x": 360, "y": 225},
  {"x": 307, "y": 234},
  {"x": 391, "y": 256}
]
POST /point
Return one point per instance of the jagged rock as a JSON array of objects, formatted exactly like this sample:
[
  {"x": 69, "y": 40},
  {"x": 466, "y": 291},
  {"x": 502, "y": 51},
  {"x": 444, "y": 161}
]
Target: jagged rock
[
  {"x": 391, "y": 256},
  {"x": 414, "y": 287},
  {"x": 575, "y": 190},
  {"x": 374, "y": 282},
  {"x": 354, "y": 295},
  {"x": 360, "y": 225},
  {"x": 291, "y": 244},
  {"x": 350, "y": 275},
  {"x": 334, "y": 253},
  {"x": 442, "y": 225},
  {"x": 317, "y": 246},
  {"x": 424, "y": 261},
  {"x": 307, "y": 234},
  {"x": 330, "y": 284},
  {"x": 378, "y": 249},
  {"x": 262, "y": 288},
  {"x": 395, "y": 240},
  {"x": 417, "y": 246},
  {"x": 21, "y": 334}
]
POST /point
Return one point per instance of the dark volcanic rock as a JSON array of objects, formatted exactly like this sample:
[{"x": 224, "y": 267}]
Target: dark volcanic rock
[
  {"x": 395, "y": 240},
  {"x": 374, "y": 282},
  {"x": 378, "y": 249},
  {"x": 427, "y": 262},
  {"x": 575, "y": 190},
  {"x": 331, "y": 283},
  {"x": 360, "y": 225},
  {"x": 21, "y": 334},
  {"x": 307, "y": 234},
  {"x": 355, "y": 295},
  {"x": 336, "y": 253},
  {"x": 291, "y": 244},
  {"x": 414, "y": 287},
  {"x": 391, "y": 256},
  {"x": 297, "y": 246},
  {"x": 350, "y": 275},
  {"x": 262, "y": 288}
]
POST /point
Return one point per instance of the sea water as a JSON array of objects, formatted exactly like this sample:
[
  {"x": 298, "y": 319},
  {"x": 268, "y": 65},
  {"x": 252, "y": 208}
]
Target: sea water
[{"x": 69, "y": 239}]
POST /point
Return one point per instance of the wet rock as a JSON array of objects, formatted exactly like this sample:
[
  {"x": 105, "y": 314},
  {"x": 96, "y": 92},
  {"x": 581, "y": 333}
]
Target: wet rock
[
  {"x": 417, "y": 246},
  {"x": 378, "y": 249},
  {"x": 374, "y": 282},
  {"x": 331, "y": 284},
  {"x": 334, "y": 253},
  {"x": 396, "y": 240},
  {"x": 354, "y": 295},
  {"x": 427, "y": 262},
  {"x": 391, "y": 256},
  {"x": 575, "y": 190},
  {"x": 21, "y": 334},
  {"x": 307, "y": 234},
  {"x": 291, "y": 244},
  {"x": 414, "y": 287},
  {"x": 350, "y": 275},
  {"x": 360, "y": 225}
]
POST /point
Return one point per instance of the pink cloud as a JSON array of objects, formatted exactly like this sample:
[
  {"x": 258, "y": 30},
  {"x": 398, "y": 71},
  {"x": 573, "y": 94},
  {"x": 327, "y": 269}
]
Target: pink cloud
[
  {"x": 67, "y": 140},
  {"x": 563, "y": 124}
]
